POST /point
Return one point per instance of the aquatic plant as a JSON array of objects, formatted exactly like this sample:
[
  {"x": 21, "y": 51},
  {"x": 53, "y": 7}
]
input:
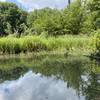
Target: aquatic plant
[{"x": 13, "y": 45}]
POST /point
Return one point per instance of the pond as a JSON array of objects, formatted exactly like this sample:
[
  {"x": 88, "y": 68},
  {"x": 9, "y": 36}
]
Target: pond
[{"x": 49, "y": 77}]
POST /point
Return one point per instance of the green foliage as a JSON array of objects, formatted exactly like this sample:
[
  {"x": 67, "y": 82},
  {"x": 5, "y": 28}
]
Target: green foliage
[
  {"x": 57, "y": 22},
  {"x": 94, "y": 7},
  {"x": 45, "y": 19},
  {"x": 96, "y": 42},
  {"x": 9, "y": 29},
  {"x": 11, "y": 45},
  {"x": 10, "y": 13},
  {"x": 87, "y": 25},
  {"x": 73, "y": 18},
  {"x": 80, "y": 17}
]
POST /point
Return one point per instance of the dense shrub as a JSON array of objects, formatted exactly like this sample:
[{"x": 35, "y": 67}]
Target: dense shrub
[
  {"x": 96, "y": 42},
  {"x": 45, "y": 20},
  {"x": 11, "y": 17},
  {"x": 73, "y": 18}
]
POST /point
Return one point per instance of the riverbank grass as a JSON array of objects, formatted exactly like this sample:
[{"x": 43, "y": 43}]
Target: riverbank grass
[{"x": 12, "y": 45}]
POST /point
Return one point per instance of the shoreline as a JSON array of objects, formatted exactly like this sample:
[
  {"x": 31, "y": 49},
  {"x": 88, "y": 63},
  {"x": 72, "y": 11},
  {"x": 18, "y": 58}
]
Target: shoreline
[{"x": 27, "y": 55}]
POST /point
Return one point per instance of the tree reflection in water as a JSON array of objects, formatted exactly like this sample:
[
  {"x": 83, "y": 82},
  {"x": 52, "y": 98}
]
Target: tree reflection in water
[{"x": 80, "y": 73}]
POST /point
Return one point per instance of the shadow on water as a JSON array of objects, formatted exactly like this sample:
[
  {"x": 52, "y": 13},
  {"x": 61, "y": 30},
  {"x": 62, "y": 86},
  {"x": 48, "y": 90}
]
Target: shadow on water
[
  {"x": 50, "y": 78},
  {"x": 12, "y": 74}
]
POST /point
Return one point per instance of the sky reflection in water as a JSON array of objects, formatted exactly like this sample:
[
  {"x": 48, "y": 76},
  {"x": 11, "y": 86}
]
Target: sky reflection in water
[{"x": 33, "y": 86}]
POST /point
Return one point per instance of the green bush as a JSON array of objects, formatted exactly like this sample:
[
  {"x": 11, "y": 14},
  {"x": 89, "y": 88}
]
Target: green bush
[
  {"x": 11, "y": 18},
  {"x": 96, "y": 42}
]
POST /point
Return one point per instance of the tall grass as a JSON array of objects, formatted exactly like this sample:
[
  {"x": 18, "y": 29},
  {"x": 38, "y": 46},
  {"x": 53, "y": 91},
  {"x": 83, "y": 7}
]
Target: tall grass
[
  {"x": 96, "y": 43},
  {"x": 12, "y": 45}
]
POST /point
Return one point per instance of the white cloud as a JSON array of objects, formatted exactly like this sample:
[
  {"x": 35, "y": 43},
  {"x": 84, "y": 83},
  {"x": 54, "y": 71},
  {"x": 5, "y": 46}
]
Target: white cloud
[
  {"x": 37, "y": 4},
  {"x": 2, "y": 0},
  {"x": 31, "y": 4},
  {"x": 34, "y": 87}
]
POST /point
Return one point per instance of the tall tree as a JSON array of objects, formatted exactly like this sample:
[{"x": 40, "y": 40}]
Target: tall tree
[
  {"x": 10, "y": 13},
  {"x": 94, "y": 7},
  {"x": 69, "y": 2}
]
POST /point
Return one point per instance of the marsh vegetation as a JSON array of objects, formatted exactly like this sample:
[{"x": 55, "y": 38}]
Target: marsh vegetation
[
  {"x": 48, "y": 54},
  {"x": 49, "y": 29}
]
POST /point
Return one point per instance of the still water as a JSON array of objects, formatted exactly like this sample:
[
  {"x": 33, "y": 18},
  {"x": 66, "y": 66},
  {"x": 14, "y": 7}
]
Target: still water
[{"x": 49, "y": 77}]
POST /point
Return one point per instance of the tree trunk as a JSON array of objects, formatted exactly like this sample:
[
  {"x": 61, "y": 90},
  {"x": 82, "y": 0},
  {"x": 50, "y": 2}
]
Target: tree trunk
[{"x": 69, "y": 2}]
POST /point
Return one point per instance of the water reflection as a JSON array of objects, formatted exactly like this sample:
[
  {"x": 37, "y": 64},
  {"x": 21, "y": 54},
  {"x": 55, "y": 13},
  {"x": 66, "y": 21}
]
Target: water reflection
[
  {"x": 35, "y": 86},
  {"x": 12, "y": 73},
  {"x": 60, "y": 78}
]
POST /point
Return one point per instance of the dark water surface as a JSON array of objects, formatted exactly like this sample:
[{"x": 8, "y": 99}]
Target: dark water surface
[{"x": 49, "y": 77}]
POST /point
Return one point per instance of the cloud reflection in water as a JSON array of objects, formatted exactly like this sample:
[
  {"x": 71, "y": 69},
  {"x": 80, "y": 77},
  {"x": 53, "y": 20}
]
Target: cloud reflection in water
[{"x": 36, "y": 87}]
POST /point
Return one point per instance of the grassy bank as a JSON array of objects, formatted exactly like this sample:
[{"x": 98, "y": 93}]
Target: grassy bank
[{"x": 12, "y": 45}]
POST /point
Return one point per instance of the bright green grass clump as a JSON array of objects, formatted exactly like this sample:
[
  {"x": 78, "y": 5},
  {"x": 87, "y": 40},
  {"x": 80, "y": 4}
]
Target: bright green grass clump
[{"x": 12, "y": 45}]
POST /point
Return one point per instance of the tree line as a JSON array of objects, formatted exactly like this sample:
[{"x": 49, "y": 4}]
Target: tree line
[{"x": 79, "y": 17}]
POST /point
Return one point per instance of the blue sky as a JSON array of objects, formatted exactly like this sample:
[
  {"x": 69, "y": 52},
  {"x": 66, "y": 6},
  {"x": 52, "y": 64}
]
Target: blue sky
[{"x": 37, "y": 4}]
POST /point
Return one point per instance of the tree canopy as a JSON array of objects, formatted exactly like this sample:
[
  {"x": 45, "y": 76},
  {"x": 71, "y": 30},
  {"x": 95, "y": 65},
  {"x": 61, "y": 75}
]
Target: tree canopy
[
  {"x": 11, "y": 17},
  {"x": 79, "y": 17}
]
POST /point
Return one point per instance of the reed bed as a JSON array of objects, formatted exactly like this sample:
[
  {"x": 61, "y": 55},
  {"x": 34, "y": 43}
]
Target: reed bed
[{"x": 13, "y": 45}]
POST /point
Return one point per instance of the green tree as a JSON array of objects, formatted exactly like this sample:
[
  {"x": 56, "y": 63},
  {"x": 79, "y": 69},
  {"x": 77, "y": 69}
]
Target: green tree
[
  {"x": 45, "y": 19},
  {"x": 10, "y": 13},
  {"x": 73, "y": 18},
  {"x": 94, "y": 6}
]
